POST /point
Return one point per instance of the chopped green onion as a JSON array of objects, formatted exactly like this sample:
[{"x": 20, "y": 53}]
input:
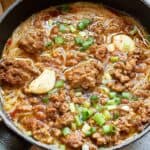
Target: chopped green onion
[
  {"x": 112, "y": 94},
  {"x": 111, "y": 107},
  {"x": 115, "y": 100},
  {"x": 111, "y": 102},
  {"x": 115, "y": 115},
  {"x": 78, "y": 40},
  {"x": 87, "y": 130},
  {"x": 62, "y": 147},
  {"x": 133, "y": 31},
  {"x": 114, "y": 59},
  {"x": 83, "y": 24},
  {"x": 126, "y": 95},
  {"x": 78, "y": 121},
  {"x": 72, "y": 107},
  {"x": 62, "y": 28},
  {"x": 86, "y": 104},
  {"x": 48, "y": 44},
  {"x": 91, "y": 131},
  {"x": 72, "y": 28},
  {"x": 105, "y": 89},
  {"x": 107, "y": 115},
  {"x": 87, "y": 43},
  {"x": 94, "y": 98},
  {"x": 66, "y": 131},
  {"x": 59, "y": 40},
  {"x": 73, "y": 126},
  {"x": 108, "y": 129},
  {"x": 45, "y": 100},
  {"x": 86, "y": 113},
  {"x": 99, "y": 119},
  {"x": 59, "y": 84},
  {"x": 100, "y": 107},
  {"x": 52, "y": 91}
]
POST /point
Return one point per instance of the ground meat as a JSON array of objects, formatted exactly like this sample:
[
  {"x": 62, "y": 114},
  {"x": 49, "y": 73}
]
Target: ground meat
[
  {"x": 85, "y": 75},
  {"x": 122, "y": 74},
  {"x": 16, "y": 72},
  {"x": 45, "y": 16},
  {"x": 33, "y": 42},
  {"x": 116, "y": 86},
  {"x": 112, "y": 25},
  {"x": 74, "y": 57},
  {"x": 74, "y": 139},
  {"x": 64, "y": 120},
  {"x": 57, "y": 106},
  {"x": 99, "y": 52}
]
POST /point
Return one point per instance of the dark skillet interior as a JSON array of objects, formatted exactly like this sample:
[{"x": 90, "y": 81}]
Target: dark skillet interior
[{"x": 14, "y": 16}]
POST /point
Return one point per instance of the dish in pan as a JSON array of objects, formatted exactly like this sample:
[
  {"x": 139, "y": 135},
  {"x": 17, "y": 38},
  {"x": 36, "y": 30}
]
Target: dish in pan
[{"x": 77, "y": 75}]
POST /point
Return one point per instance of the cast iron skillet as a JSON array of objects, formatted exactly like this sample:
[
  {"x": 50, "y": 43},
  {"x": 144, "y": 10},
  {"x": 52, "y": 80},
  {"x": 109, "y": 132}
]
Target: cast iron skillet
[{"x": 18, "y": 12}]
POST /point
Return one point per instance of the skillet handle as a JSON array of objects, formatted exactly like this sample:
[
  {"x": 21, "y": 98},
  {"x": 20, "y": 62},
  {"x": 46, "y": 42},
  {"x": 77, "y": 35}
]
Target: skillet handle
[{"x": 10, "y": 141}]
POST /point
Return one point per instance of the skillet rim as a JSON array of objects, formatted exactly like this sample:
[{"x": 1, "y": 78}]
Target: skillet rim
[{"x": 9, "y": 123}]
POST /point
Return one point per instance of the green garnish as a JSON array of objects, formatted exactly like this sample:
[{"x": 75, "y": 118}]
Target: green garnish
[
  {"x": 66, "y": 131},
  {"x": 111, "y": 102},
  {"x": 52, "y": 91},
  {"x": 126, "y": 95},
  {"x": 86, "y": 104},
  {"x": 94, "y": 98},
  {"x": 78, "y": 121},
  {"x": 48, "y": 44},
  {"x": 116, "y": 115},
  {"x": 112, "y": 94},
  {"x": 78, "y": 40},
  {"x": 99, "y": 119},
  {"x": 90, "y": 131},
  {"x": 114, "y": 101},
  {"x": 109, "y": 129},
  {"x": 62, "y": 28},
  {"x": 62, "y": 147},
  {"x": 114, "y": 59},
  {"x": 86, "y": 113},
  {"x": 45, "y": 100},
  {"x": 117, "y": 100},
  {"x": 87, "y": 43},
  {"x": 59, "y": 84},
  {"x": 59, "y": 40},
  {"x": 83, "y": 24},
  {"x": 107, "y": 115},
  {"x": 72, "y": 28}
]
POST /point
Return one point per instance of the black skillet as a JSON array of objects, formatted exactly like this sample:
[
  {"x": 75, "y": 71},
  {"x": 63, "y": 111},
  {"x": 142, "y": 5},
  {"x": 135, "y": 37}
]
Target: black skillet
[{"x": 14, "y": 139}]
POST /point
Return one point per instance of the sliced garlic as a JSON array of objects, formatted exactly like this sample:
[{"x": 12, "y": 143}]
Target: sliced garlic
[
  {"x": 111, "y": 47},
  {"x": 125, "y": 108},
  {"x": 124, "y": 43},
  {"x": 43, "y": 83}
]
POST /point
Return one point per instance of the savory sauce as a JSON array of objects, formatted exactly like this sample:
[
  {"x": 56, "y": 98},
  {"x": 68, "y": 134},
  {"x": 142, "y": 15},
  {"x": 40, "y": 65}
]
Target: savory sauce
[{"x": 77, "y": 75}]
